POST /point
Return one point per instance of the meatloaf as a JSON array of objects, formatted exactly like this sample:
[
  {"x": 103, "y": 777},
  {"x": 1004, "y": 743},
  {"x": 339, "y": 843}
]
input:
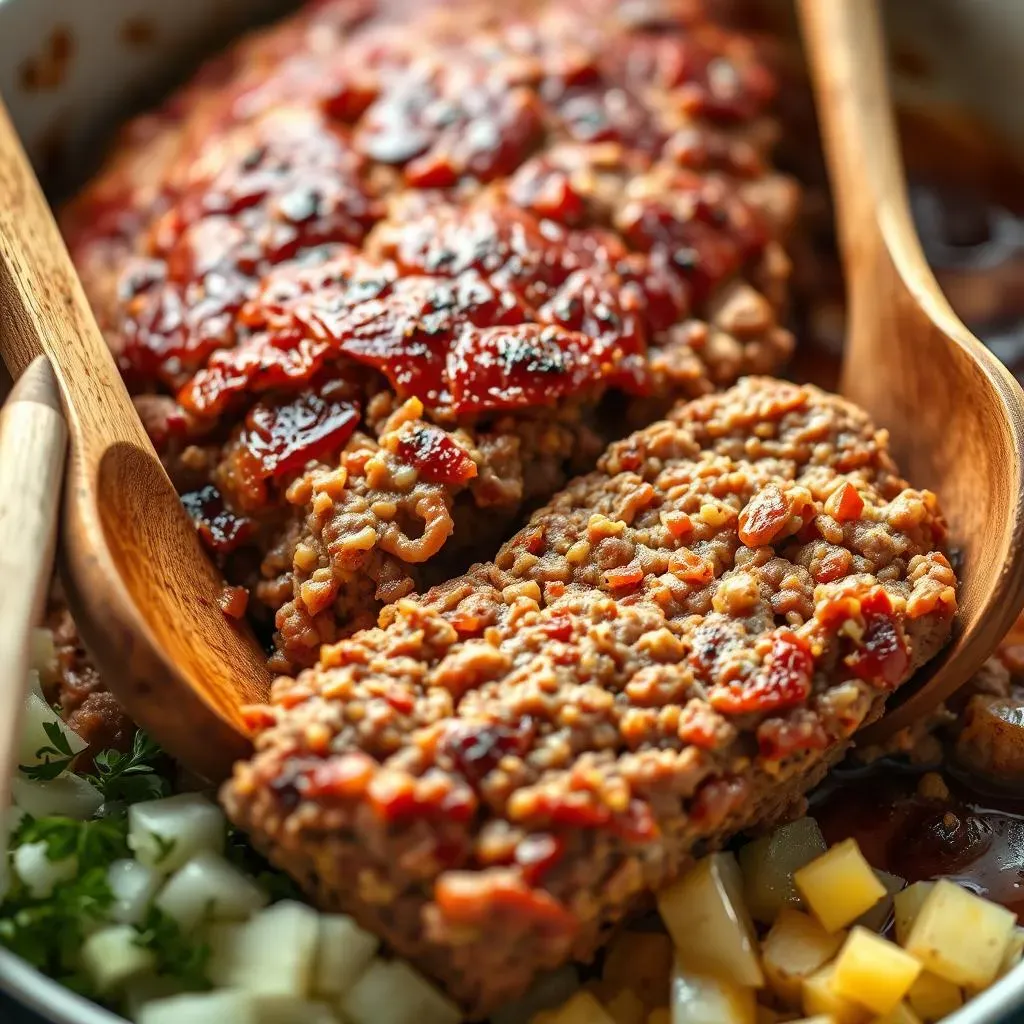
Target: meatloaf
[
  {"x": 383, "y": 276},
  {"x": 673, "y": 650}
]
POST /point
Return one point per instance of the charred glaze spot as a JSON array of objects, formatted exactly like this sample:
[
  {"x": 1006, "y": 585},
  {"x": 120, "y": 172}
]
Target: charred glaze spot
[{"x": 220, "y": 529}]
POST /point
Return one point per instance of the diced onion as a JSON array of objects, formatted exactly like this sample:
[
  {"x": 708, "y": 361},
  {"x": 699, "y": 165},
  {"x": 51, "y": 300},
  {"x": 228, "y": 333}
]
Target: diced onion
[
  {"x": 67, "y": 796},
  {"x": 768, "y": 864},
  {"x": 272, "y": 953},
  {"x": 133, "y": 885},
  {"x": 43, "y": 657},
  {"x": 38, "y": 873},
  {"x": 343, "y": 951},
  {"x": 209, "y": 886},
  {"x": 289, "y": 1010},
  {"x": 166, "y": 833},
  {"x": 209, "y": 1008},
  {"x": 702, "y": 999},
  {"x": 391, "y": 992},
  {"x": 112, "y": 956},
  {"x": 37, "y": 715}
]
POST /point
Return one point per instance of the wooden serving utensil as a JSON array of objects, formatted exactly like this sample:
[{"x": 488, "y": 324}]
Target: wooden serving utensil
[
  {"x": 955, "y": 414},
  {"x": 142, "y": 592},
  {"x": 33, "y": 440}
]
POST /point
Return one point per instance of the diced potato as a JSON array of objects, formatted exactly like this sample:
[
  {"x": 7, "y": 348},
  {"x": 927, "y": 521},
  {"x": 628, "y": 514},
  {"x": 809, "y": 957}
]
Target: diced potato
[
  {"x": 706, "y": 999},
  {"x": 166, "y": 833},
  {"x": 839, "y": 885},
  {"x": 549, "y": 990},
  {"x": 207, "y": 1008},
  {"x": 933, "y": 998},
  {"x": 821, "y": 998},
  {"x": 793, "y": 950},
  {"x": 391, "y": 992},
  {"x": 641, "y": 961},
  {"x": 626, "y": 1007},
  {"x": 273, "y": 953},
  {"x": 112, "y": 956},
  {"x": 38, "y": 873},
  {"x": 873, "y": 971},
  {"x": 960, "y": 936},
  {"x": 899, "y": 1014},
  {"x": 1014, "y": 952},
  {"x": 36, "y": 717},
  {"x": 662, "y": 1015},
  {"x": 67, "y": 796},
  {"x": 709, "y": 922},
  {"x": 877, "y": 917},
  {"x": 906, "y": 905},
  {"x": 210, "y": 888},
  {"x": 133, "y": 885},
  {"x": 768, "y": 864},
  {"x": 343, "y": 952}
]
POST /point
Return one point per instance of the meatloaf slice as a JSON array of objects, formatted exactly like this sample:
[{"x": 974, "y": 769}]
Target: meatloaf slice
[
  {"x": 673, "y": 650},
  {"x": 535, "y": 222}
]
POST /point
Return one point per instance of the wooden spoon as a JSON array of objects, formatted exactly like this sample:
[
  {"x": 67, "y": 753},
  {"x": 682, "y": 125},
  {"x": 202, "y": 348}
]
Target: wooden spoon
[
  {"x": 33, "y": 440},
  {"x": 955, "y": 414},
  {"x": 142, "y": 592}
]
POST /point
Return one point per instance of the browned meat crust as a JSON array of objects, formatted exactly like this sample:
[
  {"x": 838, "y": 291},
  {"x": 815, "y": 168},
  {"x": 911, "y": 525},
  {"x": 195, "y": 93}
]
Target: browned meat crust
[
  {"x": 671, "y": 651},
  {"x": 511, "y": 214}
]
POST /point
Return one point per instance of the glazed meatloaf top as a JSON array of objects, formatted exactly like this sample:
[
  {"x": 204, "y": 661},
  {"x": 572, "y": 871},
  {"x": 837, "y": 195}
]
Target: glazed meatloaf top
[
  {"x": 421, "y": 246},
  {"x": 674, "y": 649}
]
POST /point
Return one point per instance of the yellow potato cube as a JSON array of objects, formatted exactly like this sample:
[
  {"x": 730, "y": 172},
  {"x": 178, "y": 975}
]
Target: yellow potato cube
[
  {"x": 582, "y": 1008},
  {"x": 933, "y": 998},
  {"x": 626, "y": 1007},
  {"x": 820, "y": 997},
  {"x": 709, "y": 922},
  {"x": 959, "y": 936},
  {"x": 794, "y": 949},
  {"x": 906, "y": 905},
  {"x": 662, "y": 1015},
  {"x": 874, "y": 971},
  {"x": 1014, "y": 952},
  {"x": 768, "y": 864},
  {"x": 839, "y": 885},
  {"x": 705, "y": 999},
  {"x": 642, "y": 962},
  {"x": 899, "y": 1014}
]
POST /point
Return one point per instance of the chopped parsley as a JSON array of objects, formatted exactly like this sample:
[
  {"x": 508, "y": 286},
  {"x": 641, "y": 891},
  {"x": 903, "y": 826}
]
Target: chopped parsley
[
  {"x": 57, "y": 755},
  {"x": 49, "y": 931}
]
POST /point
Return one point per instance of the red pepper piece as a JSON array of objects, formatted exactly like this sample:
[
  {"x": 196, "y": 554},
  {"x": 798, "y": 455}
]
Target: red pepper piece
[
  {"x": 882, "y": 656},
  {"x": 783, "y": 681},
  {"x": 436, "y": 455}
]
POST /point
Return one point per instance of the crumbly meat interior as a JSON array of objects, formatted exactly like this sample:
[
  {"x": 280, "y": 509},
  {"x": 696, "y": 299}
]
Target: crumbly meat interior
[
  {"x": 674, "y": 649},
  {"x": 385, "y": 275}
]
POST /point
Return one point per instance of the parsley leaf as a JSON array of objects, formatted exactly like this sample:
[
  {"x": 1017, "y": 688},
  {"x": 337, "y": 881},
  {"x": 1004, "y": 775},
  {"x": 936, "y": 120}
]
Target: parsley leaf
[
  {"x": 177, "y": 955},
  {"x": 57, "y": 756},
  {"x": 131, "y": 777}
]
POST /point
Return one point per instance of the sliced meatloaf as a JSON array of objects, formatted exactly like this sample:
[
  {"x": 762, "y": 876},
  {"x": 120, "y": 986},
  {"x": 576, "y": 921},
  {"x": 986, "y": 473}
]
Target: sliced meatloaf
[
  {"x": 388, "y": 273},
  {"x": 674, "y": 649}
]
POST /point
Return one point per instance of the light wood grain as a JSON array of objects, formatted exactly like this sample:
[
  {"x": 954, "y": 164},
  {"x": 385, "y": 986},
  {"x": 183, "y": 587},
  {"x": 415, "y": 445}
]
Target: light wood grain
[
  {"x": 33, "y": 440},
  {"x": 956, "y": 416},
  {"x": 141, "y": 590}
]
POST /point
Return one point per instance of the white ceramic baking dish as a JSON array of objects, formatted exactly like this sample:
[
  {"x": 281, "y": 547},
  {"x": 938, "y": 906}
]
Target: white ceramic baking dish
[{"x": 70, "y": 69}]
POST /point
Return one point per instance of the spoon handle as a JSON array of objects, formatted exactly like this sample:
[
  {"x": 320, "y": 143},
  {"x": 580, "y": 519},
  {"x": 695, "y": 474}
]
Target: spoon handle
[
  {"x": 33, "y": 440},
  {"x": 44, "y": 310}
]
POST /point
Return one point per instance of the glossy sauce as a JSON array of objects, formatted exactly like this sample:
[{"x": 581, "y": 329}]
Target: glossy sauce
[{"x": 975, "y": 838}]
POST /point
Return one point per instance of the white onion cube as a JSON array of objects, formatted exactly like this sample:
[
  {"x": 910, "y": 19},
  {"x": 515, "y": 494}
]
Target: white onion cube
[
  {"x": 43, "y": 657},
  {"x": 391, "y": 992},
  {"x": 39, "y": 874},
  {"x": 343, "y": 951},
  {"x": 166, "y": 833},
  {"x": 67, "y": 796},
  {"x": 273, "y": 953},
  {"x": 208, "y": 1008},
  {"x": 209, "y": 887},
  {"x": 37, "y": 715},
  {"x": 111, "y": 957},
  {"x": 133, "y": 885},
  {"x": 289, "y": 1010}
]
